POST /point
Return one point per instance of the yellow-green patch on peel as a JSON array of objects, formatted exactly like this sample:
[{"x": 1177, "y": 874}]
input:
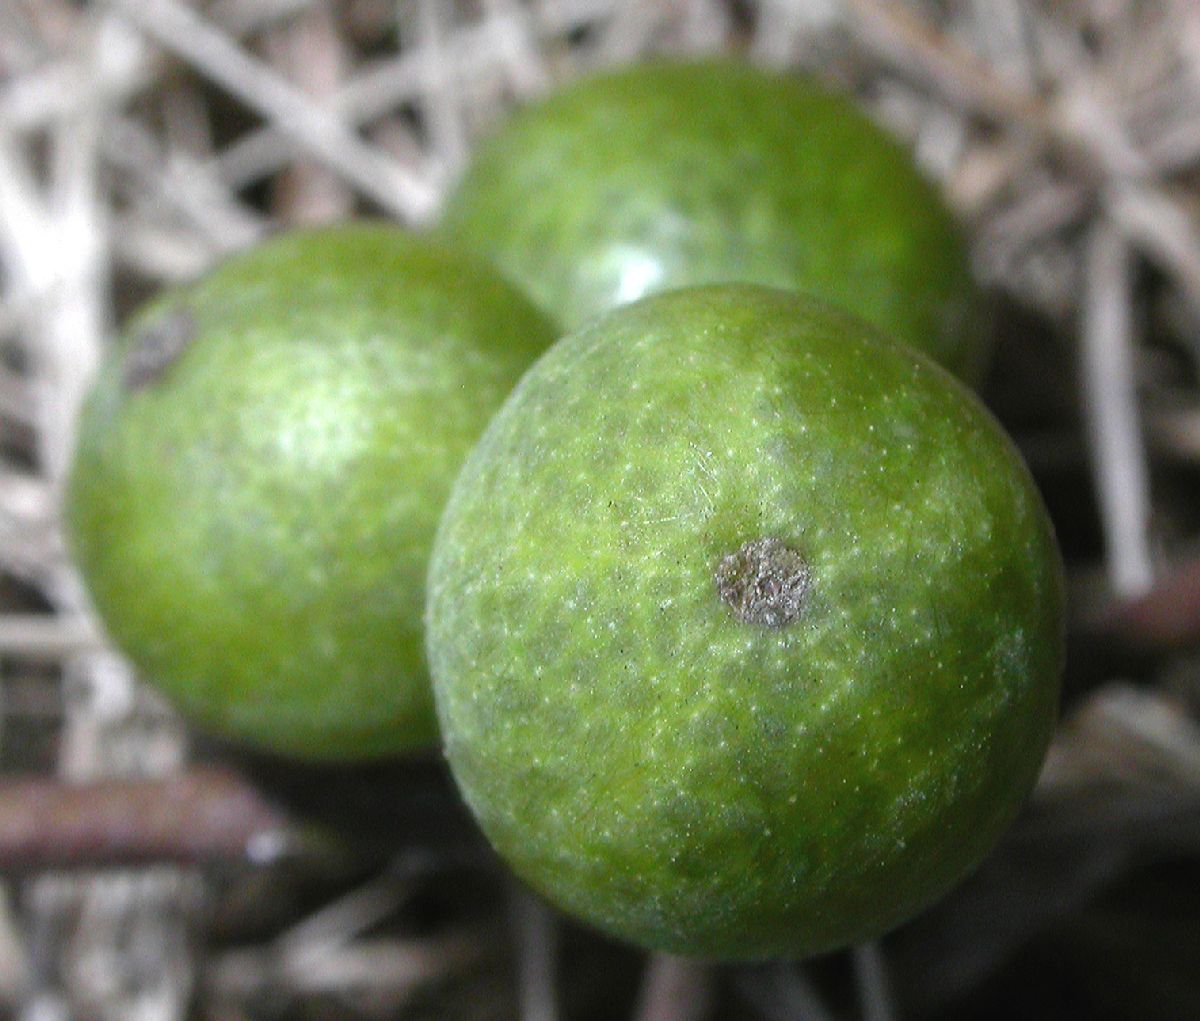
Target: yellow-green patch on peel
[
  {"x": 666, "y": 174},
  {"x": 745, "y": 626},
  {"x": 260, "y": 470}
]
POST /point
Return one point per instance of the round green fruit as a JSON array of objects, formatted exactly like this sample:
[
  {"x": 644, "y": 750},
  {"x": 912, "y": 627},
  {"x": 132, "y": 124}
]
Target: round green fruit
[
  {"x": 260, "y": 470},
  {"x": 665, "y": 175},
  {"x": 745, "y": 626}
]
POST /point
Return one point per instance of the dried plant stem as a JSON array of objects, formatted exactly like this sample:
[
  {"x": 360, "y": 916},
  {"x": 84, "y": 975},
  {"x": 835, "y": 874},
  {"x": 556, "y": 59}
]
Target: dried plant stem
[
  {"x": 784, "y": 992},
  {"x": 207, "y": 815},
  {"x": 1114, "y": 429},
  {"x": 347, "y": 917},
  {"x": 42, "y": 636},
  {"x": 535, "y": 930},
  {"x": 397, "y": 189},
  {"x": 375, "y": 965},
  {"x": 439, "y": 83},
  {"x": 313, "y": 55},
  {"x": 673, "y": 989},
  {"x": 910, "y": 44},
  {"x": 474, "y": 49},
  {"x": 870, "y": 973},
  {"x": 1077, "y": 126},
  {"x": 1165, "y": 618},
  {"x": 182, "y": 184}
]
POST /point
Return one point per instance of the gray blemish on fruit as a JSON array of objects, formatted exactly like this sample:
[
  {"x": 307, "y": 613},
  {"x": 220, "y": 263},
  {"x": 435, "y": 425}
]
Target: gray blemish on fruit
[
  {"x": 157, "y": 347},
  {"x": 764, "y": 582}
]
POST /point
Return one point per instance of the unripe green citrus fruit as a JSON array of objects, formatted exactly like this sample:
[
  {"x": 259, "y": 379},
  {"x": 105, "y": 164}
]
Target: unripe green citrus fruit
[
  {"x": 260, "y": 470},
  {"x": 745, "y": 626},
  {"x": 669, "y": 174}
]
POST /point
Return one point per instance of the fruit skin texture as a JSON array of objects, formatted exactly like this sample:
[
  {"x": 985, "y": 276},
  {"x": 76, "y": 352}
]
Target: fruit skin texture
[
  {"x": 666, "y": 175},
  {"x": 259, "y": 473},
  {"x": 704, "y": 785}
]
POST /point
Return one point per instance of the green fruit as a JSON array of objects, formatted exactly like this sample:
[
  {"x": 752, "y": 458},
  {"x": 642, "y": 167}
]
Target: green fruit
[
  {"x": 260, "y": 470},
  {"x": 666, "y": 175},
  {"x": 745, "y": 626}
]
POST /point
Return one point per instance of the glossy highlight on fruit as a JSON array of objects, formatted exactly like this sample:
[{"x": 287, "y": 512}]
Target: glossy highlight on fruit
[
  {"x": 260, "y": 470},
  {"x": 664, "y": 175},
  {"x": 745, "y": 624}
]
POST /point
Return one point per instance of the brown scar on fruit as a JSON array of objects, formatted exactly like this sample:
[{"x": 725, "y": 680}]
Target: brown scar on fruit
[
  {"x": 157, "y": 347},
  {"x": 764, "y": 582}
]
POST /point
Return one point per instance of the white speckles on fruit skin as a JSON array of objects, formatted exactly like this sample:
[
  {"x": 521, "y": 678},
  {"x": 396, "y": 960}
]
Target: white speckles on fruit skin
[
  {"x": 627, "y": 743},
  {"x": 254, "y": 517},
  {"x": 633, "y": 182}
]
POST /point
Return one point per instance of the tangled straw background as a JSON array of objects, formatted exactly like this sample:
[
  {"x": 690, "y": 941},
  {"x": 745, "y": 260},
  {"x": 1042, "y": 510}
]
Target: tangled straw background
[{"x": 140, "y": 140}]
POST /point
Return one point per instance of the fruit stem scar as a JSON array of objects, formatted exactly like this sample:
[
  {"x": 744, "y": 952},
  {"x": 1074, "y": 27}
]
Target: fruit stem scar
[
  {"x": 157, "y": 347},
  {"x": 764, "y": 582}
]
